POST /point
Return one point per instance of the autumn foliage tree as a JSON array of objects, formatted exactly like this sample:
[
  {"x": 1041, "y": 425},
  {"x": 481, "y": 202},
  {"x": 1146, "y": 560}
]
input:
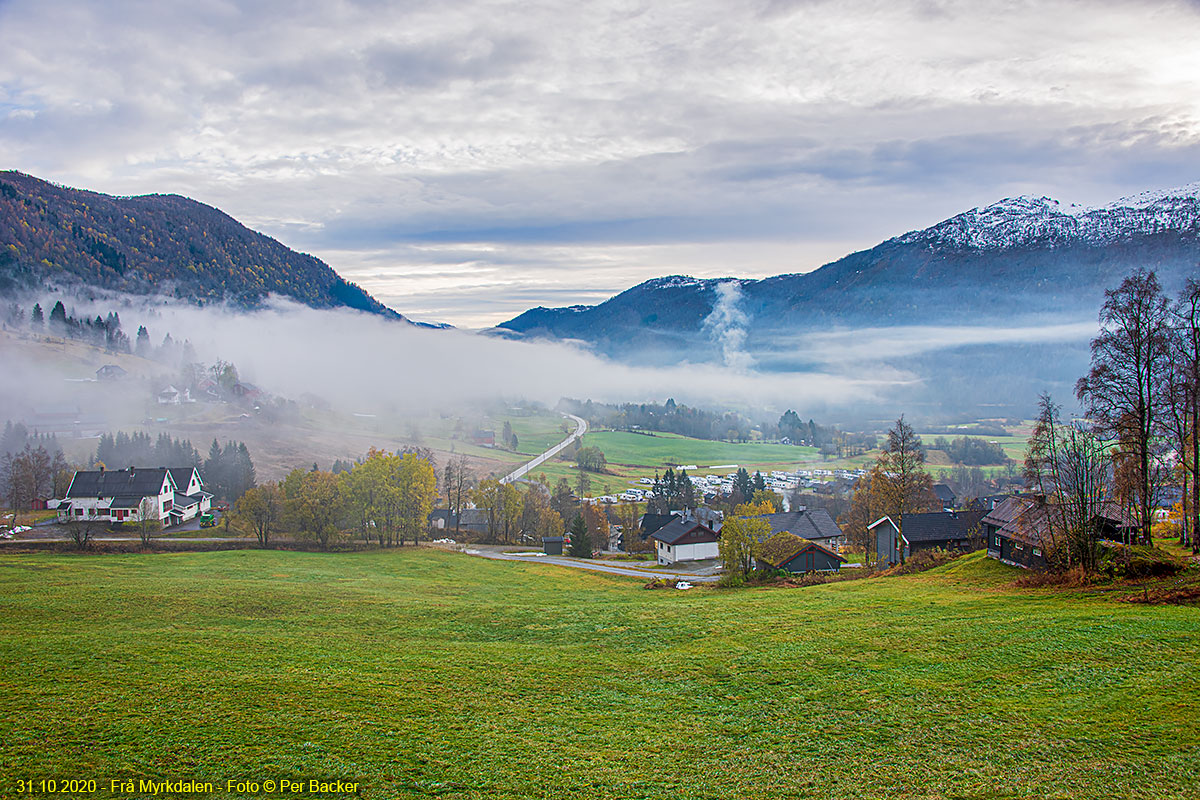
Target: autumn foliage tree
[
  {"x": 739, "y": 537},
  {"x": 313, "y": 503},
  {"x": 262, "y": 507}
]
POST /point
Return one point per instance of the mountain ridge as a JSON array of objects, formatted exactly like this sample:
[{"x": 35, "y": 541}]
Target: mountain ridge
[
  {"x": 1028, "y": 253},
  {"x": 156, "y": 244}
]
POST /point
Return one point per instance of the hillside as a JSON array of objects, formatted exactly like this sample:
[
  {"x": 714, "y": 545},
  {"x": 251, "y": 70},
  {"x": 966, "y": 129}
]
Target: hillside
[
  {"x": 160, "y": 244},
  {"x": 441, "y": 674},
  {"x": 1010, "y": 262}
]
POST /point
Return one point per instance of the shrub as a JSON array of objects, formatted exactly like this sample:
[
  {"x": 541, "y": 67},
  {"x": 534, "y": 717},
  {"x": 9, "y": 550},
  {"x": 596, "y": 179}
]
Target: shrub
[
  {"x": 1143, "y": 561},
  {"x": 731, "y": 580}
]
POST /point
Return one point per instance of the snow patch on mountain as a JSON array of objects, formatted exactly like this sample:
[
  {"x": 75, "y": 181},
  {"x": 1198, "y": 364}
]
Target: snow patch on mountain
[{"x": 1043, "y": 221}]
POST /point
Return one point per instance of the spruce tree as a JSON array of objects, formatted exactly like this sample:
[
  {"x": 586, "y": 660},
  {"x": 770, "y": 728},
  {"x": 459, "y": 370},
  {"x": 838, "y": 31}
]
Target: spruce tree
[{"x": 581, "y": 540}]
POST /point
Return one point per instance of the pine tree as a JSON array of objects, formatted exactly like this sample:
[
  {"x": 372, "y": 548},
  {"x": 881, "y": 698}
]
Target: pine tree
[
  {"x": 143, "y": 347},
  {"x": 36, "y": 320},
  {"x": 58, "y": 316}
]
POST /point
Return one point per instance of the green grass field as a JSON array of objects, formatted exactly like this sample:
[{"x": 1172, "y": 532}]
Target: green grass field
[
  {"x": 663, "y": 449},
  {"x": 420, "y": 672}
]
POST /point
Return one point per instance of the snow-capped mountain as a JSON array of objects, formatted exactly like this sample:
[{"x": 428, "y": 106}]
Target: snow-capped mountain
[
  {"x": 1027, "y": 221},
  {"x": 1020, "y": 261}
]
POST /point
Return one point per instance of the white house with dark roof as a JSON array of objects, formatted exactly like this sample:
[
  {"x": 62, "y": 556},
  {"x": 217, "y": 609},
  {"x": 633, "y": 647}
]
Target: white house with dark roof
[
  {"x": 685, "y": 540},
  {"x": 175, "y": 495}
]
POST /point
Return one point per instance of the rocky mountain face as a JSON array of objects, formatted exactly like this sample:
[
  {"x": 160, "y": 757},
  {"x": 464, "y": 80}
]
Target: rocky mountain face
[{"x": 155, "y": 244}]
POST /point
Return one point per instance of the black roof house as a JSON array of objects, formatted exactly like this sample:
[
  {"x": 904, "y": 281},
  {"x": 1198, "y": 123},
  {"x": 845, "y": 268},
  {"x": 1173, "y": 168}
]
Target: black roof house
[
  {"x": 945, "y": 496},
  {"x": 128, "y": 487},
  {"x": 941, "y": 529},
  {"x": 132, "y": 482},
  {"x": 813, "y": 524},
  {"x": 652, "y": 523},
  {"x": 685, "y": 531}
]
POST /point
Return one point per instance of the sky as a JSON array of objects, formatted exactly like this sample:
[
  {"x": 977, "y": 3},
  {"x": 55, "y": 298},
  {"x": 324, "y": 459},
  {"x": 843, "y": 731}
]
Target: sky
[{"x": 464, "y": 161}]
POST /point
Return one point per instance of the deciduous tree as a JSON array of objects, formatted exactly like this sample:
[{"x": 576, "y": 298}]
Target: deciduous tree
[
  {"x": 262, "y": 507},
  {"x": 1123, "y": 391}
]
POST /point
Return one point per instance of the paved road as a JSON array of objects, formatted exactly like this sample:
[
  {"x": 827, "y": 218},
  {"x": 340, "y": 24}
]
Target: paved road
[
  {"x": 595, "y": 566},
  {"x": 580, "y": 430}
]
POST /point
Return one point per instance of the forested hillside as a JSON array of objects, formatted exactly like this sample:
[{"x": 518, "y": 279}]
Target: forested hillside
[{"x": 160, "y": 244}]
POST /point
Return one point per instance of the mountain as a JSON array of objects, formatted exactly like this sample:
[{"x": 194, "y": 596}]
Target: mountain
[
  {"x": 1012, "y": 262},
  {"x": 155, "y": 244}
]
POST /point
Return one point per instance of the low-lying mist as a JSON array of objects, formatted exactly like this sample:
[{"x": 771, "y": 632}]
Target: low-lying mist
[{"x": 361, "y": 363}]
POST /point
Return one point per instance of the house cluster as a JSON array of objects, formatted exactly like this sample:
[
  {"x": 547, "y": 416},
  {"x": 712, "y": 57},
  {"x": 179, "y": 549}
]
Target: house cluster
[
  {"x": 169, "y": 495},
  {"x": 711, "y": 485},
  {"x": 811, "y": 542}
]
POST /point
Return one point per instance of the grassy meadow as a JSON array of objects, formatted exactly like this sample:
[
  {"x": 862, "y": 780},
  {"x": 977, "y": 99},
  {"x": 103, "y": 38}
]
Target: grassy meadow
[{"x": 420, "y": 673}]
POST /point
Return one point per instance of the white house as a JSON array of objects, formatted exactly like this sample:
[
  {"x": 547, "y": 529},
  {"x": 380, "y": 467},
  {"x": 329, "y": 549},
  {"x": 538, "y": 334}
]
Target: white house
[
  {"x": 171, "y": 396},
  {"x": 171, "y": 495},
  {"x": 685, "y": 540}
]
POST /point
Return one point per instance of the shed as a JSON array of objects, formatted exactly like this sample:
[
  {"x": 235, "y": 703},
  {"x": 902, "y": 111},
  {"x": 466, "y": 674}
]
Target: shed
[{"x": 552, "y": 545}]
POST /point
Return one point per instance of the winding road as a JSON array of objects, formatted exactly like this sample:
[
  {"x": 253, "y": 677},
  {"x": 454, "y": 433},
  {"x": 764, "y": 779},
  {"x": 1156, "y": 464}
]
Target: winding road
[{"x": 581, "y": 428}]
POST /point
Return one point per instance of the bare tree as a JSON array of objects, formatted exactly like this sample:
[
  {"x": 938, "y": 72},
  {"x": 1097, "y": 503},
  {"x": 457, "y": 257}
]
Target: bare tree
[
  {"x": 458, "y": 488},
  {"x": 904, "y": 485},
  {"x": 1185, "y": 404},
  {"x": 1124, "y": 390},
  {"x": 84, "y": 530},
  {"x": 147, "y": 520},
  {"x": 1067, "y": 465}
]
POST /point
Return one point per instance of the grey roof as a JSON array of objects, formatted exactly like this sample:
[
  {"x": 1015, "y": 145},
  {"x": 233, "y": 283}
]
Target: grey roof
[
  {"x": 652, "y": 523},
  {"x": 185, "y": 500},
  {"x": 945, "y": 493},
  {"x": 117, "y": 483},
  {"x": 813, "y": 524},
  {"x": 940, "y": 526},
  {"x": 126, "y": 501},
  {"x": 684, "y": 531},
  {"x": 183, "y": 476}
]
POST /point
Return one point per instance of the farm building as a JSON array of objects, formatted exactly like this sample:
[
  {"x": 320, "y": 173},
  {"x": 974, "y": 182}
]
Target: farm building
[
  {"x": 791, "y": 553},
  {"x": 471, "y": 520},
  {"x": 1018, "y": 530},
  {"x": 110, "y": 372},
  {"x": 685, "y": 540}
]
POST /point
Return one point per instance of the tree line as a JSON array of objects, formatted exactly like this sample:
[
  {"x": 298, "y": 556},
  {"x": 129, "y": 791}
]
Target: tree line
[
  {"x": 32, "y": 466},
  {"x": 385, "y": 497}
]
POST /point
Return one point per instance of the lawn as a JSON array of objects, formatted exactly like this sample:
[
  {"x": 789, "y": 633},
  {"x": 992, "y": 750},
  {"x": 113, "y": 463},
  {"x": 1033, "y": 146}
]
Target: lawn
[
  {"x": 666, "y": 449},
  {"x": 420, "y": 672}
]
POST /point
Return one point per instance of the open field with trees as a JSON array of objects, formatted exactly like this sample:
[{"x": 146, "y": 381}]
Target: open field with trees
[{"x": 419, "y": 672}]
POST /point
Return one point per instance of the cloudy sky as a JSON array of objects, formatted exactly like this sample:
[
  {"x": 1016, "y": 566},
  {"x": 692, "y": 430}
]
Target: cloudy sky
[{"x": 466, "y": 160}]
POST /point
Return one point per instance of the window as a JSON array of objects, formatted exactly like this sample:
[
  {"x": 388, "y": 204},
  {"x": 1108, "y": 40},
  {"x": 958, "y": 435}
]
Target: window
[
  {"x": 1037, "y": 551},
  {"x": 997, "y": 541}
]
